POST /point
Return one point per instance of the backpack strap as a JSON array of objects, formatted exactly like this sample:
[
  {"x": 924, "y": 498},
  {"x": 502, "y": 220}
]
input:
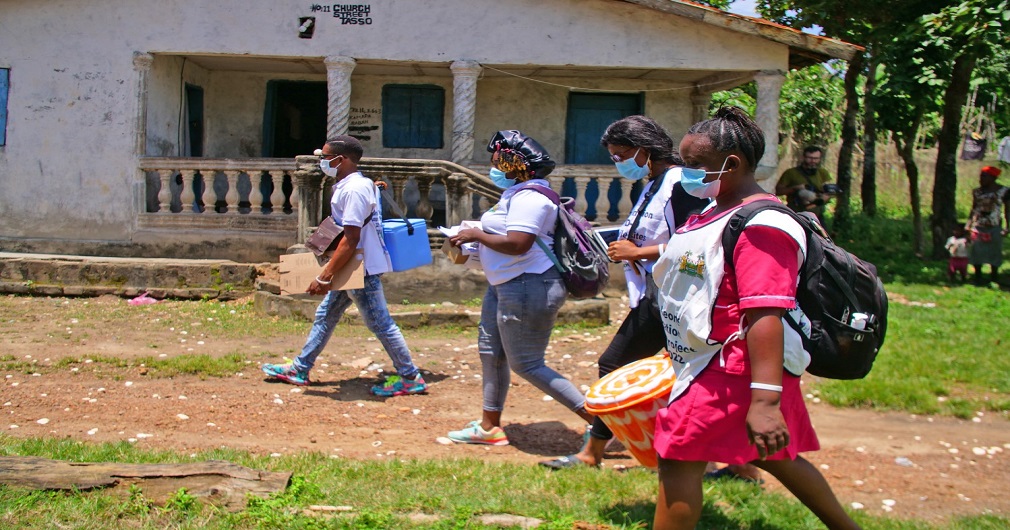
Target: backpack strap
[
  {"x": 742, "y": 216},
  {"x": 736, "y": 225},
  {"x": 553, "y": 196},
  {"x": 546, "y": 192},
  {"x": 656, "y": 184}
]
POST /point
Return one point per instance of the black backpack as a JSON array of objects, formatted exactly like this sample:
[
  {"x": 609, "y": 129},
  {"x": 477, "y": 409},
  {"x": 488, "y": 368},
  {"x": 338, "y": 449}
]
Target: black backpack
[
  {"x": 834, "y": 286},
  {"x": 580, "y": 254}
]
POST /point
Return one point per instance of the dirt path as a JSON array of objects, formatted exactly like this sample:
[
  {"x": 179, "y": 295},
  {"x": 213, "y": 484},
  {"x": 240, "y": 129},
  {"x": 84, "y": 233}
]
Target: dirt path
[{"x": 930, "y": 468}]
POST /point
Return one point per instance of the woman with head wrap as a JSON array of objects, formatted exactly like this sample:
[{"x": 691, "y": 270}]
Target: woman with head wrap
[
  {"x": 525, "y": 291},
  {"x": 990, "y": 206}
]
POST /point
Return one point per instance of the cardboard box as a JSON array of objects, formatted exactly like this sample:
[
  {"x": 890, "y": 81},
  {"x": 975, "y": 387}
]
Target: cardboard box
[
  {"x": 298, "y": 271},
  {"x": 454, "y": 253}
]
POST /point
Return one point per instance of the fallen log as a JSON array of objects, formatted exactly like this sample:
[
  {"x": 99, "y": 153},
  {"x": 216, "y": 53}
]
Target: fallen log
[{"x": 215, "y": 481}]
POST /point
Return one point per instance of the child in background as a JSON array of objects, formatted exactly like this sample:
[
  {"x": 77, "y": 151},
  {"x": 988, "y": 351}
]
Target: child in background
[{"x": 957, "y": 246}]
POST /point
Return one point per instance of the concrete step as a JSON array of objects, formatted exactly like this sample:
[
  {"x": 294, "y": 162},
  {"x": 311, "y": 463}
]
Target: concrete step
[
  {"x": 65, "y": 275},
  {"x": 197, "y": 279}
]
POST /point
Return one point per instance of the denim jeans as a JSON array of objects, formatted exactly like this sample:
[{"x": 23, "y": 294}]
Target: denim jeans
[
  {"x": 516, "y": 321},
  {"x": 371, "y": 302}
]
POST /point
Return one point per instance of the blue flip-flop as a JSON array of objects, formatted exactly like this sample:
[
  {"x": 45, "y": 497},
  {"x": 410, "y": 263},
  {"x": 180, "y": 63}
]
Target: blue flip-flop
[{"x": 564, "y": 462}]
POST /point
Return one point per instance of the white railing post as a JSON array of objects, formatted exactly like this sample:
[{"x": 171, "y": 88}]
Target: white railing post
[
  {"x": 187, "y": 195},
  {"x": 231, "y": 198},
  {"x": 255, "y": 192},
  {"x": 556, "y": 183},
  {"x": 581, "y": 204},
  {"x": 624, "y": 205},
  {"x": 277, "y": 195},
  {"x": 165, "y": 193}
]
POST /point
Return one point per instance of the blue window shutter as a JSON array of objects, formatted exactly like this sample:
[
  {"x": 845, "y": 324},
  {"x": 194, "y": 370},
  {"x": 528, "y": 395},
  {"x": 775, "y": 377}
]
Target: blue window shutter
[
  {"x": 395, "y": 116},
  {"x": 412, "y": 116},
  {"x": 428, "y": 108},
  {"x": 4, "y": 84}
]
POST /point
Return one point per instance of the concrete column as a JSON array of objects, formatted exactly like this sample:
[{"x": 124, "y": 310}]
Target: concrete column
[
  {"x": 769, "y": 90},
  {"x": 338, "y": 90},
  {"x": 142, "y": 64},
  {"x": 699, "y": 105},
  {"x": 464, "y": 107}
]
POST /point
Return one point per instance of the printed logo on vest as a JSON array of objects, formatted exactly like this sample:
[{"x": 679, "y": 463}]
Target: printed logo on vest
[{"x": 692, "y": 266}]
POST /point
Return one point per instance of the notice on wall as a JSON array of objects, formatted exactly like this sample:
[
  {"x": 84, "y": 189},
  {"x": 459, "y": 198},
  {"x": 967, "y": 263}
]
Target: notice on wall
[
  {"x": 347, "y": 14},
  {"x": 363, "y": 122}
]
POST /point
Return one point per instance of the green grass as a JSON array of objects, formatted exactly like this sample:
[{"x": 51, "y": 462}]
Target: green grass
[
  {"x": 945, "y": 353},
  {"x": 201, "y": 365},
  {"x": 384, "y": 493}
]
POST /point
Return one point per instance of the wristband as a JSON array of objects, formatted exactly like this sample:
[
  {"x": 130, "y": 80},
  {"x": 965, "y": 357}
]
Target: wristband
[
  {"x": 321, "y": 282},
  {"x": 662, "y": 247},
  {"x": 766, "y": 386}
]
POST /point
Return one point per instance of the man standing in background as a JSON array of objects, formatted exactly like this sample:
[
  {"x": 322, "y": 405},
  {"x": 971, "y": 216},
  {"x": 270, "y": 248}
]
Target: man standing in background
[{"x": 806, "y": 186}]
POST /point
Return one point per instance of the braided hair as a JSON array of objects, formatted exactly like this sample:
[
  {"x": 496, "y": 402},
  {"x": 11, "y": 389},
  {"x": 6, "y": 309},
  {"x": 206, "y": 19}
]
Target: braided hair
[
  {"x": 733, "y": 130},
  {"x": 644, "y": 132}
]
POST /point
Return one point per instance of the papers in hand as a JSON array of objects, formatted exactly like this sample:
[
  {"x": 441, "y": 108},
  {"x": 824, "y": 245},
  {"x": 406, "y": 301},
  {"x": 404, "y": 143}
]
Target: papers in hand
[
  {"x": 467, "y": 253},
  {"x": 468, "y": 249}
]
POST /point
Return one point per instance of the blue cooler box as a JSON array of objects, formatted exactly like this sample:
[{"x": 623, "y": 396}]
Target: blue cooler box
[{"x": 406, "y": 251}]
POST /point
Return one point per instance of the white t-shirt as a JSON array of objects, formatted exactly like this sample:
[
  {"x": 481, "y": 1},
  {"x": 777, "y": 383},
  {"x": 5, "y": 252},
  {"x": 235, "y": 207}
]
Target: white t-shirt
[
  {"x": 354, "y": 199},
  {"x": 957, "y": 247},
  {"x": 523, "y": 211}
]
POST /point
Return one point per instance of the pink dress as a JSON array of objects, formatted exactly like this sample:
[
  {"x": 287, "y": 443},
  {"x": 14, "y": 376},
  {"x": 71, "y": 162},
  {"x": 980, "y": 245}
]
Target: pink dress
[{"x": 708, "y": 421}]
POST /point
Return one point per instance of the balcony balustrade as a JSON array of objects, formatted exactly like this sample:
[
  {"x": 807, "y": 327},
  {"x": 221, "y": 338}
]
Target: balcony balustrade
[{"x": 272, "y": 194}]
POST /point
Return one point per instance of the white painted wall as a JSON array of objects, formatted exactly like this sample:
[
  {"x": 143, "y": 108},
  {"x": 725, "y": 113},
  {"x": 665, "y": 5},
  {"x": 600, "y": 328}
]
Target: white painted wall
[{"x": 69, "y": 169}]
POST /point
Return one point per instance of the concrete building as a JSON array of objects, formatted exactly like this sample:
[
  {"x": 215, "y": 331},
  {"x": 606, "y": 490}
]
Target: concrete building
[{"x": 169, "y": 128}]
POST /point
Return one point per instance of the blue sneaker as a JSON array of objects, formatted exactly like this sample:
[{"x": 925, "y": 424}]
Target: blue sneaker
[
  {"x": 287, "y": 373},
  {"x": 399, "y": 386},
  {"x": 473, "y": 433}
]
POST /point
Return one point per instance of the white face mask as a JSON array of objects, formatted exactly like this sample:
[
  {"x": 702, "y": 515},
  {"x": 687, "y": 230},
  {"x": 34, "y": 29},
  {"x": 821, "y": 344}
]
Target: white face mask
[{"x": 329, "y": 171}]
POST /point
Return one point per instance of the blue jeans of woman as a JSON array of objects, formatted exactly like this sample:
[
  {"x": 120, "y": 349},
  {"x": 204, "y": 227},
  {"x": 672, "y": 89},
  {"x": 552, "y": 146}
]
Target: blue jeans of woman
[
  {"x": 371, "y": 302},
  {"x": 516, "y": 321}
]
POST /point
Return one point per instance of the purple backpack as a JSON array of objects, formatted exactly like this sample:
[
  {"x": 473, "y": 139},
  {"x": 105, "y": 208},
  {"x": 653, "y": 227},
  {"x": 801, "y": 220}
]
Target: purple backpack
[{"x": 580, "y": 254}]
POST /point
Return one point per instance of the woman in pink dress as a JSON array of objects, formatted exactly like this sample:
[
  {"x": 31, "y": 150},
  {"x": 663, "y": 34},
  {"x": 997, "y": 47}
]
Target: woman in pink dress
[{"x": 737, "y": 398}]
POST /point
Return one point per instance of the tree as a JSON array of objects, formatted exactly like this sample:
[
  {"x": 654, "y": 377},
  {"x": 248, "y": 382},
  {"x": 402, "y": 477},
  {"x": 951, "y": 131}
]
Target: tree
[
  {"x": 810, "y": 103},
  {"x": 908, "y": 103},
  {"x": 965, "y": 33},
  {"x": 868, "y": 188},
  {"x": 873, "y": 26},
  {"x": 849, "y": 21}
]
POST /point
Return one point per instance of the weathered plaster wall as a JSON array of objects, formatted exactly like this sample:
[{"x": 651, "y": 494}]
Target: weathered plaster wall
[
  {"x": 235, "y": 106},
  {"x": 69, "y": 169}
]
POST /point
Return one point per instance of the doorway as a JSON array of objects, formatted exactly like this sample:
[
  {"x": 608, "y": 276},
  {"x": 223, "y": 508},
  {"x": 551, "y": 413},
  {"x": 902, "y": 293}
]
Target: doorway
[
  {"x": 294, "y": 121},
  {"x": 194, "y": 120}
]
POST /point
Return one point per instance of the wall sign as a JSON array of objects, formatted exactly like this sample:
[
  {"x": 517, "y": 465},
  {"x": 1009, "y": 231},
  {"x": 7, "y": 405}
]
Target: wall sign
[
  {"x": 363, "y": 122},
  {"x": 349, "y": 14}
]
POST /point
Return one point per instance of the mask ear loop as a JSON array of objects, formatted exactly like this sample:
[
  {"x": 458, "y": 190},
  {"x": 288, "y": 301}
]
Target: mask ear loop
[{"x": 722, "y": 170}]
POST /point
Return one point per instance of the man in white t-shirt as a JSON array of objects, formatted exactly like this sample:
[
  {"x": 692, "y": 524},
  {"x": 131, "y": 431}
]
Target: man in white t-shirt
[{"x": 354, "y": 206}]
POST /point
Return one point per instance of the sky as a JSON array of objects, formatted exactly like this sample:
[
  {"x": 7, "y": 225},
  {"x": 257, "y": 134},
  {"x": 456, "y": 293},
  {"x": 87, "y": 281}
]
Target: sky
[
  {"x": 748, "y": 8},
  {"x": 744, "y": 7}
]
